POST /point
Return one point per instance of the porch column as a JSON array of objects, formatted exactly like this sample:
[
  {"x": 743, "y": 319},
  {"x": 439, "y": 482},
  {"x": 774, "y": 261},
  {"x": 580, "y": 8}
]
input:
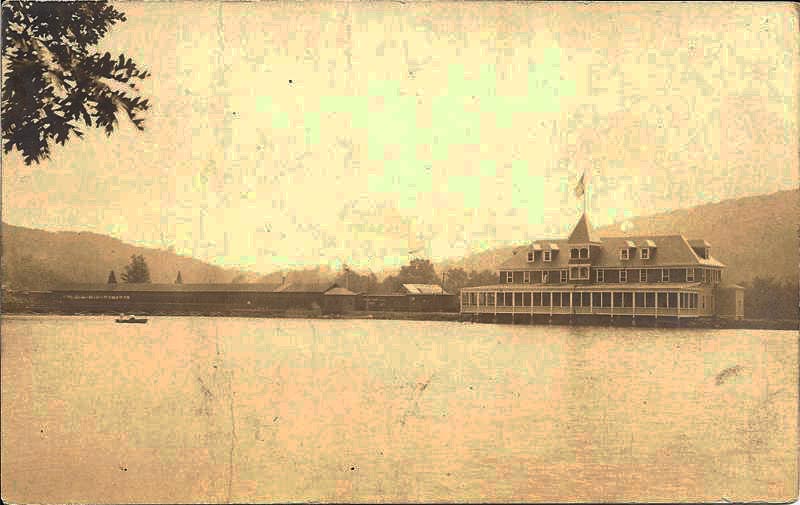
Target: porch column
[
  {"x": 591, "y": 302},
  {"x": 495, "y": 302},
  {"x": 655, "y": 299},
  {"x": 633, "y": 299},
  {"x": 551, "y": 304},
  {"x": 531, "y": 305}
]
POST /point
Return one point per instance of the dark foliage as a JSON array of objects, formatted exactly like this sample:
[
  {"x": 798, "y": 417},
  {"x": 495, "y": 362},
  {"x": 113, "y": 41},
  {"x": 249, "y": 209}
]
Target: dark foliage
[
  {"x": 112, "y": 279},
  {"x": 771, "y": 299},
  {"x": 179, "y": 279},
  {"x": 137, "y": 271},
  {"x": 53, "y": 79},
  {"x": 458, "y": 278},
  {"x": 357, "y": 283}
]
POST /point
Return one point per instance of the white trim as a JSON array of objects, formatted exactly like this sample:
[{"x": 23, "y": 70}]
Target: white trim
[
  {"x": 621, "y": 272},
  {"x": 545, "y": 276},
  {"x": 526, "y": 277},
  {"x": 563, "y": 277},
  {"x": 580, "y": 277},
  {"x": 644, "y": 253},
  {"x": 547, "y": 256},
  {"x": 509, "y": 277},
  {"x": 665, "y": 275},
  {"x": 624, "y": 254},
  {"x": 642, "y": 271},
  {"x": 600, "y": 275},
  {"x": 692, "y": 276}
]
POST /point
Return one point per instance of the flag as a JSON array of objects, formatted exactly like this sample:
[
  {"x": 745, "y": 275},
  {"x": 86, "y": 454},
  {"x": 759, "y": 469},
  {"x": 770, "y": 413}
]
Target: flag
[{"x": 580, "y": 188}]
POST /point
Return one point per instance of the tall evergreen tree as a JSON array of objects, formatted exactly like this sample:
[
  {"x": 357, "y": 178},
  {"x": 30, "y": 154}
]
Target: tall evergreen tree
[
  {"x": 137, "y": 271},
  {"x": 112, "y": 279},
  {"x": 53, "y": 78},
  {"x": 179, "y": 279}
]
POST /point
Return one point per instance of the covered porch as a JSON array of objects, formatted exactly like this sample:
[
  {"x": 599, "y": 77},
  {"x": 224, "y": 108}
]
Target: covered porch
[{"x": 655, "y": 301}]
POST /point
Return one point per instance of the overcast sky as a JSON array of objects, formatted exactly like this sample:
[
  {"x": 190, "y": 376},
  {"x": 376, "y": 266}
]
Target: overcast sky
[{"x": 295, "y": 134}]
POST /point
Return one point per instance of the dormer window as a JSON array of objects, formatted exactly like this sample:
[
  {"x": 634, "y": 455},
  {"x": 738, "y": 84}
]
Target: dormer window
[
  {"x": 644, "y": 253},
  {"x": 624, "y": 254},
  {"x": 547, "y": 256},
  {"x": 530, "y": 256}
]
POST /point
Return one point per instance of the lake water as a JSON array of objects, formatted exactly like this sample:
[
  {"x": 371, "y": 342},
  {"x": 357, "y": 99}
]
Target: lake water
[{"x": 191, "y": 409}]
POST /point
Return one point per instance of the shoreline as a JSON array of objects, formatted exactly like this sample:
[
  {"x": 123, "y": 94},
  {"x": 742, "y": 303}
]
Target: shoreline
[{"x": 602, "y": 321}]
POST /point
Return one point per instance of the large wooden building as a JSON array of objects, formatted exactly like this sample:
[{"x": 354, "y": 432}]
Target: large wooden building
[{"x": 652, "y": 276}]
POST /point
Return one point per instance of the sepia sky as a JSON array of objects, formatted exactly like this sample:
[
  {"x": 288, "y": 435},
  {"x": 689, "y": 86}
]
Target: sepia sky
[{"x": 285, "y": 135}]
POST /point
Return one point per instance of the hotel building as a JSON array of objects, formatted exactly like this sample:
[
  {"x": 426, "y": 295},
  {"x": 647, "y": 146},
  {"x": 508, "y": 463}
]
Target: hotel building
[{"x": 652, "y": 276}]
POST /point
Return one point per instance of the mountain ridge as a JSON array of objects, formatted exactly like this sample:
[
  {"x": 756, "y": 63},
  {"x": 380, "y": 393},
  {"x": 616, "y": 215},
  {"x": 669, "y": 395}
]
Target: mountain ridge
[{"x": 755, "y": 236}]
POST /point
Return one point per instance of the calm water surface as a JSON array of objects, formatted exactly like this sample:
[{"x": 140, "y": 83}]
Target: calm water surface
[{"x": 228, "y": 409}]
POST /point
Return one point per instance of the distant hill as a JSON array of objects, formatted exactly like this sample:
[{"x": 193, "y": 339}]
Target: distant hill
[
  {"x": 754, "y": 236},
  {"x": 38, "y": 259}
]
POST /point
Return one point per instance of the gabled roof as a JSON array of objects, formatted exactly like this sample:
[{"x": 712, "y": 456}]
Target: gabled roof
[
  {"x": 669, "y": 250},
  {"x": 583, "y": 233},
  {"x": 424, "y": 289}
]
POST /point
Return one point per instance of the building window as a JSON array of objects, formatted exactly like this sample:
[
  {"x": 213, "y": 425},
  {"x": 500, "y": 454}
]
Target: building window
[
  {"x": 545, "y": 277},
  {"x": 563, "y": 276},
  {"x": 642, "y": 275},
  {"x": 705, "y": 275},
  {"x": 623, "y": 276},
  {"x": 690, "y": 275},
  {"x": 601, "y": 275},
  {"x": 547, "y": 255},
  {"x": 574, "y": 253},
  {"x": 509, "y": 277},
  {"x": 530, "y": 256},
  {"x": 579, "y": 273},
  {"x": 526, "y": 277},
  {"x": 625, "y": 254},
  {"x": 645, "y": 253},
  {"x": 664, "y": 275},
  {"x": 585, "y": 253}
]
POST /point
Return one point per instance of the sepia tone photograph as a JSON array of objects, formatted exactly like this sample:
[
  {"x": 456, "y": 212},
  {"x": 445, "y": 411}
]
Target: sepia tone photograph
[{"x": 399, "y": 251}]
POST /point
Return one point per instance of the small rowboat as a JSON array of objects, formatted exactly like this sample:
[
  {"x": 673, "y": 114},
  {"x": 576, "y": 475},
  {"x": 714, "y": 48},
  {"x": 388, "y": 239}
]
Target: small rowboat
[{"x": 131, "y": 319}]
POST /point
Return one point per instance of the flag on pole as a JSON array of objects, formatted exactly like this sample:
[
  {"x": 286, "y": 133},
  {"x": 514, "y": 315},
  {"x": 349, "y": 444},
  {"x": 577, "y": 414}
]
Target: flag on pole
[{"x": 580, "y": 188}]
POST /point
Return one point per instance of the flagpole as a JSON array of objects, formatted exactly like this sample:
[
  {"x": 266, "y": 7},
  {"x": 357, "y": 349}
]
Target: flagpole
[{"x": 585, "y": 191}]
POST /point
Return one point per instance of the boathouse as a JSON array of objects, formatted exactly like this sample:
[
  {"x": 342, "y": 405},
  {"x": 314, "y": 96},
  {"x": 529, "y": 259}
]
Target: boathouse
[{"x": 648, "y": 276}]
